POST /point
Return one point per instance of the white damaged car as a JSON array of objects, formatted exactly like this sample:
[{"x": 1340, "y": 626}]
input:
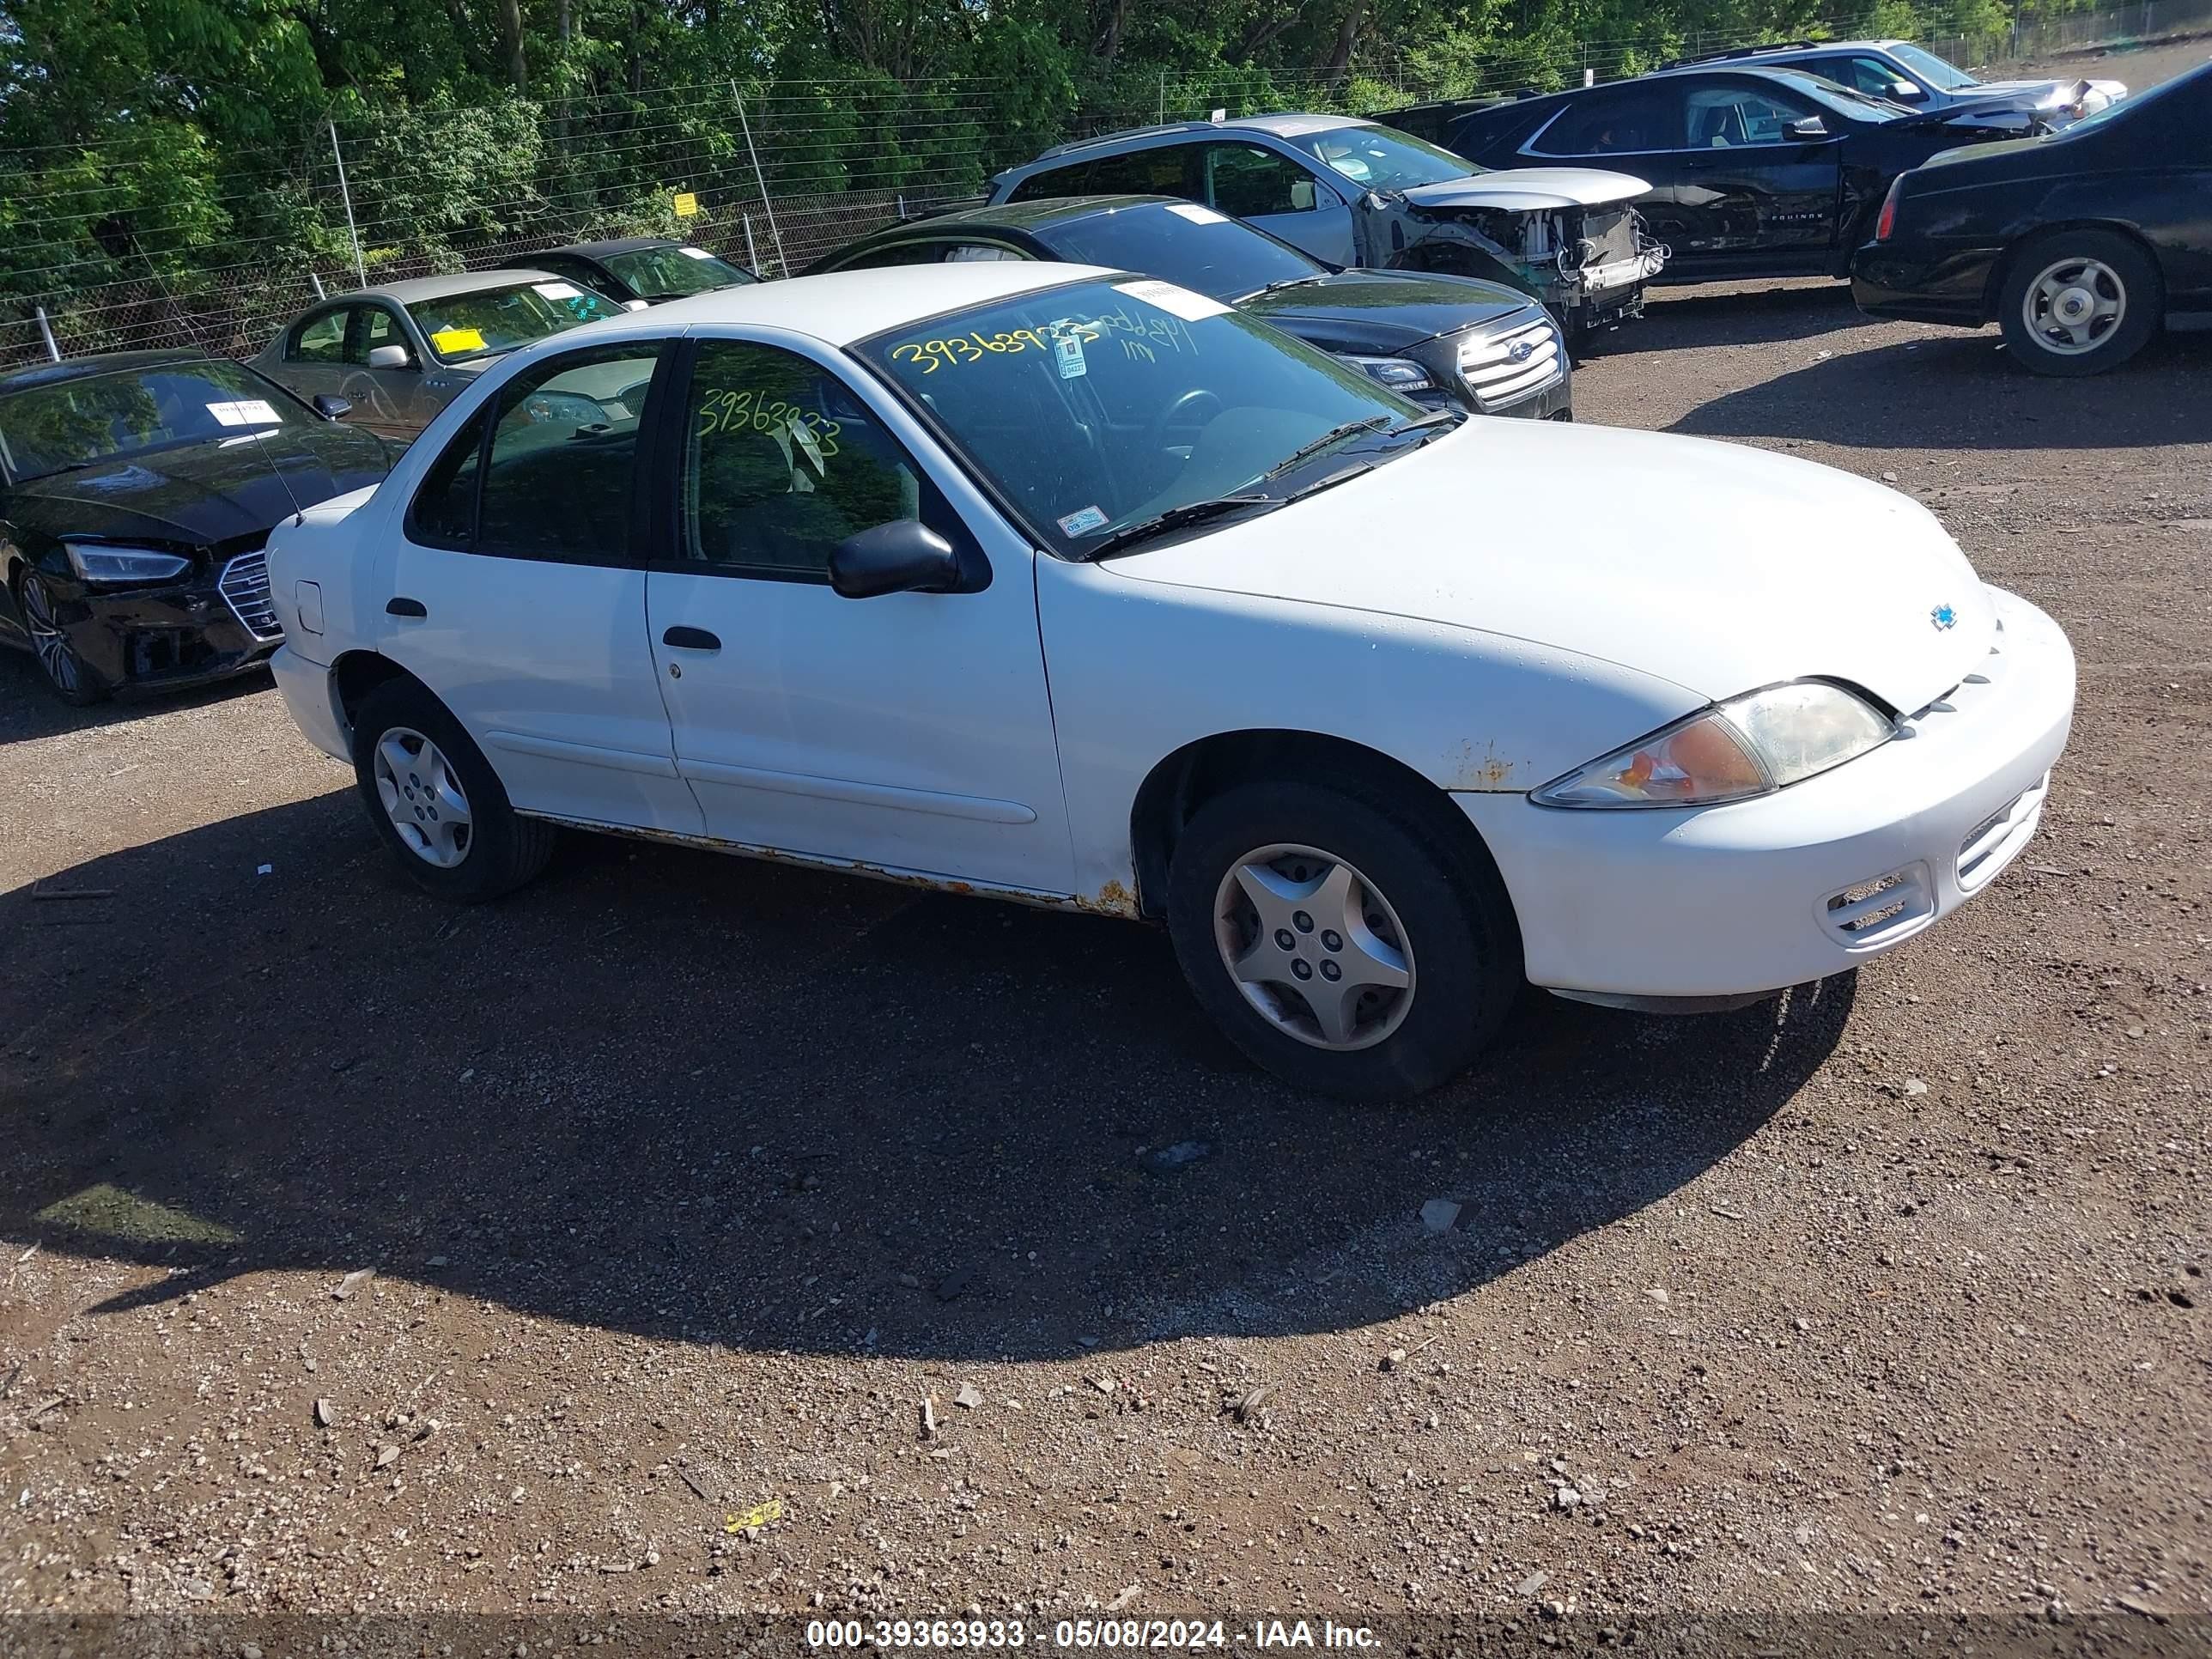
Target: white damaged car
[{"x": 1055, "y": 584}]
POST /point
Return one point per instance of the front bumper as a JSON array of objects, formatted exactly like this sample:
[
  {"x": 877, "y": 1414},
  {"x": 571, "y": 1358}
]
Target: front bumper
[
  {"x": 167, "y": 638},
  {"x": 309, "y": 699},
  {"x": 1923, "y": 284},
  {"x": 1726, "y": 901}
]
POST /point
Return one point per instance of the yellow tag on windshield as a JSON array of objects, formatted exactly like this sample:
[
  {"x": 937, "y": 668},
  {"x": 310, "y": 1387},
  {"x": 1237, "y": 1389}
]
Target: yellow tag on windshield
[{"x": 451, "y": 342}]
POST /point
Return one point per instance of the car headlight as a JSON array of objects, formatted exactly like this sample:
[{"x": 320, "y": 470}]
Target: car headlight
[
  {"x": 1749, "y": 745},
  {"x": 122, "y": 564},
  {"x": 1399, "y": 373}
]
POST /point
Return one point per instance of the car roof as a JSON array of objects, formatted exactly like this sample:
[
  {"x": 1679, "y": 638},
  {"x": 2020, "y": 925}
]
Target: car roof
[
  {"x": 444, "y": 288},
  {"x": 1287, "y": 124},
  {"x": 846, "y": 305},
  {"x": 100, "y": 363}
]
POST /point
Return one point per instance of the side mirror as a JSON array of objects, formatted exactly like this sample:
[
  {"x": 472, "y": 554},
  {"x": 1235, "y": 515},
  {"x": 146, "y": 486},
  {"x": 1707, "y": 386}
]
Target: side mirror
[
  {"x": 902, "y": 557},
  {"x": 389, "y": 356},
  {"x": 1812, "y": 126},
  {"x": 1908, "y": 92},
  {"x": 634, "y": 305},
  {"x": 331, "y": 408}
]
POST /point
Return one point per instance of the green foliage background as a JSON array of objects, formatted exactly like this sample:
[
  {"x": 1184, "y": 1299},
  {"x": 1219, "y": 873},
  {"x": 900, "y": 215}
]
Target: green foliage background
[{"x": 178, "y": 153}]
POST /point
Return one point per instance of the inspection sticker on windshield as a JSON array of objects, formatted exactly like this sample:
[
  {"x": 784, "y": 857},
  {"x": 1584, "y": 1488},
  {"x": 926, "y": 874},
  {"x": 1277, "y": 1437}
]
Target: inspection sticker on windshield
[
  {"x": 1175, "y": 301},
  {"x": 559, "y": 290},
  {"x": 1082, "y": 521},
  {"x": 253, "y": 412},
  {"x": 451, "y": 340},
  {"x": 1067, "y": 352},
  {"x": 1195, "y": 214}
]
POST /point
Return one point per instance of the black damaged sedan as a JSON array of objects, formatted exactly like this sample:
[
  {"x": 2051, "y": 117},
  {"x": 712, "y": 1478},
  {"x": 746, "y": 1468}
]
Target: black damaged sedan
[{"x": 135, "y": 491}]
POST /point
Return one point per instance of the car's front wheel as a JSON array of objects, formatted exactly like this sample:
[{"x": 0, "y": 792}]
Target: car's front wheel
[
  {"x": 72, "y": 678},
  {"x": 436, "y": 800},
  {"x": 1340, "y": 942},
  {"x": 2080, "y": 302}
]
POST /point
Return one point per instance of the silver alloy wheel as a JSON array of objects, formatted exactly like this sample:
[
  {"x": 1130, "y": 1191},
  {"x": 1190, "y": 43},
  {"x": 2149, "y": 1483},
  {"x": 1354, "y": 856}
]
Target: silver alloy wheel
[
  {"x": 1315, "y": 946},
  {"x": 422, "y": 797},
  {"x": 2074, "y": 305},
  {"x": 50, "y": 645}
]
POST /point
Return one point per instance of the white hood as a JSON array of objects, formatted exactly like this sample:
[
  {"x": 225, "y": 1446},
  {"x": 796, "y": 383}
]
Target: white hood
[
  {"x": 1531, "y": 189},
  {"x": 1720, "y": 568}
]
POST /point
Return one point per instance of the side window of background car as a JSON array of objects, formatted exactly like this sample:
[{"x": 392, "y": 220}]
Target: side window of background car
[
  {"x": 1072, "y": 180},
  {"x": 319, "y": 340},
  {"x": 379, "y": 327},
  {"x": 782, "y": 462},
  {"x": 1161, "y": 170},
  {"x": 1728, "y": 118},
  {"x": 1247, "y": 181},
  {"x": 1614, "y": 123},
  {"x": 558, "y": 472},
  {"x": 898, "y": 253},
  {"x": 972, "y": 253}
]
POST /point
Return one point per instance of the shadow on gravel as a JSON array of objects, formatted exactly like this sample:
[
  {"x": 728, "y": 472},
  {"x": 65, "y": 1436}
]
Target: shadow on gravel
[
  {"x": 29, "y": 709},
  {"x": 696, "y": 1097},
  {"x": 1704, "y": 316},
  {"x": 1963, "y": 391}
]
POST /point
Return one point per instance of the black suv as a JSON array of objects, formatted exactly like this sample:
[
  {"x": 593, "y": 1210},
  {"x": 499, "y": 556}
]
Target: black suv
[{"x": 1753, "y": 171}]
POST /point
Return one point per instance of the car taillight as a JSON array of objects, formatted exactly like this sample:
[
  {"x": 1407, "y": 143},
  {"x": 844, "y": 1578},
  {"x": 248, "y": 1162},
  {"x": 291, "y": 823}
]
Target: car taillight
[{"x": 1887, "y": 221}]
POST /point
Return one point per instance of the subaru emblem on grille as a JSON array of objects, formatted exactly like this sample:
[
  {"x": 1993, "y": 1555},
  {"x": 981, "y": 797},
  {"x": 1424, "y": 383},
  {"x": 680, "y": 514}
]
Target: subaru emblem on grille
[
  {"x": 1943, "y": 617},
  {"x": 1521, "y": 350}
]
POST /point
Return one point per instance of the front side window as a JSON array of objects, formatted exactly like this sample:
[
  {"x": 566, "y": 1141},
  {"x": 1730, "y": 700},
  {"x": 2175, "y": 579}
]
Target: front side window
[
  {"x": 1928, "y": 67},
  {"x": 1732, "y": 117},
  {"x": 672, "y": 273},
  {"x": 379, "y": 327},
  {"x": 79, "y": 423},
  {"x": 1380, "y": 158},
  {"x": 1247, "y": 181},
  {"x": 558, "y": 472},
  {"x": 319, "y": 340},
  {"x": 1099, "y": 405},
  {"x": 1182, "y": 243},
  {"x": 444, "y": 511},
  {"x": 782, "y": 462},
  {"x": 492, "y": 321}
]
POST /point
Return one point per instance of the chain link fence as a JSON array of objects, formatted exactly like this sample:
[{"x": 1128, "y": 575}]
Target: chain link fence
[{"x": 771, "y": 175}]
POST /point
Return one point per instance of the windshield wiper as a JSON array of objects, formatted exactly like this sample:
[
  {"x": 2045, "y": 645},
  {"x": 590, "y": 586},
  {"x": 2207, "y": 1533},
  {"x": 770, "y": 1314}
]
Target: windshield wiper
[
  {"x": 1174, "y": 518},
  {"x": 1335, "y": 436}
]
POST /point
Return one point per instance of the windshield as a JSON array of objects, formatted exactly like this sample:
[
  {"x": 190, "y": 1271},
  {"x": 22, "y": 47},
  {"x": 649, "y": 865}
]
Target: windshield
[
  {"x": 1928, "y": 67},
  {"x": 670, "y": 273},
  {"x": 74, "y": 423},
  {"x": 493, "y": 320},
  {"x": 1185, "y": 244},
  {"x": 1376, "y": 158},
  {"x": 1100, "y": 405}
]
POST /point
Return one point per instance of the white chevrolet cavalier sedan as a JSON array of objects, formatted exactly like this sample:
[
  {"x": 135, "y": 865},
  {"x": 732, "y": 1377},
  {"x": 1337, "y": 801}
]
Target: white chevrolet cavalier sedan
[{"x": 1056, "y": 583}]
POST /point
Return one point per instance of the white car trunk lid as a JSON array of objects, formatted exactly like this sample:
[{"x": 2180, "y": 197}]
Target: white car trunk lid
[{"x": 1720, "y": 568}]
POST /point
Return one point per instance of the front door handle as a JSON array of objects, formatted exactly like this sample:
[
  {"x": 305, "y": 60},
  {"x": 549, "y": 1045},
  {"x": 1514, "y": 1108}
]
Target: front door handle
[
  {"x": 401, "y": 606},
  {"x": 691, "y": 639}
]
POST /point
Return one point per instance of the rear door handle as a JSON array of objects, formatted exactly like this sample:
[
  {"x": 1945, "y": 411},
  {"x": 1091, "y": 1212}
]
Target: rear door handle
[
  {"x": 400, "y": 605},
  {"x": 691, "y": 639}
]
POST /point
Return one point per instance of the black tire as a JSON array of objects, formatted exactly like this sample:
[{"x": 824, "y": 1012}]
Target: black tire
[
  {"x": 1443, "y": 894},
  {"x": 68, "y": 676},
  {"x": 2127, "y": 271},
  {"x": 504, "y": 849}
]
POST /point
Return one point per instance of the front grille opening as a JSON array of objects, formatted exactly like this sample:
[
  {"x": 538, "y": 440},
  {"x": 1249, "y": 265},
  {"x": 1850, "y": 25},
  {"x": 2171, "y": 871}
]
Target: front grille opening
[
  {"x": 1870, "y": 914},
  {"x": 245, "y": 588}
]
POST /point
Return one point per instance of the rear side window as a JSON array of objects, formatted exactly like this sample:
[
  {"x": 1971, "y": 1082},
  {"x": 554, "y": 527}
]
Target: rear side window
[
  {"x": 1249, "y": 181},
  {"x": 1053, "y": 181},
  {"x": 1163, "y": 170},
  {"x": 563, "y": 452},
  {"x": 444, "y": 511},
  {"x": 319, "y": 340},
  {"x": 1614, "y": 123}
]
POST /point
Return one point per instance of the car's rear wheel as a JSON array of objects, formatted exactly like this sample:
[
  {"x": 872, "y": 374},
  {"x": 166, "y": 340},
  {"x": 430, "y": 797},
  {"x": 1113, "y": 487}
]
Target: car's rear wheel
[
  {"x": 2080, "y": 302},
  {"x": 1339, "y": 942},
  {"x": 72, "y": 678},
  {"x": 436, "y": 801}
]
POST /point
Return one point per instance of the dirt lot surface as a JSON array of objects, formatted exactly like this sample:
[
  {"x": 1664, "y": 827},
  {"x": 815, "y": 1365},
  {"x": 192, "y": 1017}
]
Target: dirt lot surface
[{"x": 685, "y": 1180}]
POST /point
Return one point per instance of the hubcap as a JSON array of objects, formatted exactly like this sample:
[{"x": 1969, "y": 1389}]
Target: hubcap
[
  {"x": 47, "y": 640},
  {"x": 1315, "y": 946},
  {"x": 2075, "y": 306},
  {"x": 422, "y": 797}
]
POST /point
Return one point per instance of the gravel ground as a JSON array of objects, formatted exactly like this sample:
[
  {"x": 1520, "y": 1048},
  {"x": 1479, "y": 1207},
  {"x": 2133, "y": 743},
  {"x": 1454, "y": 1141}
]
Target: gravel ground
[{"x": 595, "y": 1253}]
